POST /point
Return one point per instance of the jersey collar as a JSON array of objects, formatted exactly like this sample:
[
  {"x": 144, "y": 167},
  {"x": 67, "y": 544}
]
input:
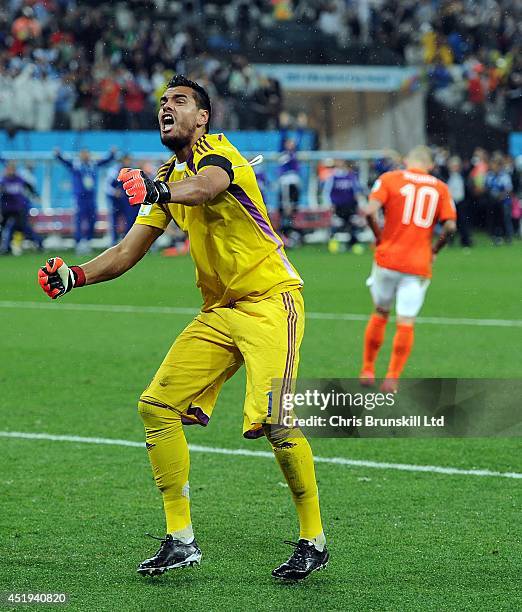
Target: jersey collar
[{"x": 417, "y": 170}]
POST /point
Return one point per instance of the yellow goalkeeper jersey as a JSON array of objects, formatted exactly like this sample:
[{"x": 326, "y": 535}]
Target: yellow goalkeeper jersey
[{"x": 237, "y": 253}]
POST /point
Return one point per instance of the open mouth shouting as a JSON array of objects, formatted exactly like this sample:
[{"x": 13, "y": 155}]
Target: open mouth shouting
[{"x": 167, "y": 123}]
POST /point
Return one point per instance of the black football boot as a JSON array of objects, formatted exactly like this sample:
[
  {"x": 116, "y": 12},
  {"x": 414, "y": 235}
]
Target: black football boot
[
  {"x": 304, "y": 560},
  {"x": 171, "y": 554}
]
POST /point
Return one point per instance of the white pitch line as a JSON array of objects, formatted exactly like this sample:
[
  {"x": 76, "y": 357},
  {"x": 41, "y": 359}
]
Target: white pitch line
[
  {"x": 171, "y": 310},
  {"x": 117, "y": 308},
  {"x": 404, "y": 467}
]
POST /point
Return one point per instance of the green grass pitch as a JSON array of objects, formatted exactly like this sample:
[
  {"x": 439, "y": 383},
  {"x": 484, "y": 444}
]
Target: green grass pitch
[{"x": 73, "y": 516}]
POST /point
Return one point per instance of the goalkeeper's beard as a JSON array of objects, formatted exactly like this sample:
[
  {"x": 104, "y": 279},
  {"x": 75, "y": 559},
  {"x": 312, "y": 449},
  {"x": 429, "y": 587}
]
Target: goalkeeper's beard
[{"x": 176, "y": 142}]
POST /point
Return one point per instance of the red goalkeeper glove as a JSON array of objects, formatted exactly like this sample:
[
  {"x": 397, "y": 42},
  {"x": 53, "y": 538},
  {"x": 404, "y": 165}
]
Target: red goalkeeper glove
[
  {"x": 143, "y": 190},
  {"x": 57, "y": 279}
]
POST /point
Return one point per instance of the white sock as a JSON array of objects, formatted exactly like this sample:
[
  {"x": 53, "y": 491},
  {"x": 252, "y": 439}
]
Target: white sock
[
  {"x": 319, "y": 542},
  {"x": 184, "y": 535}
]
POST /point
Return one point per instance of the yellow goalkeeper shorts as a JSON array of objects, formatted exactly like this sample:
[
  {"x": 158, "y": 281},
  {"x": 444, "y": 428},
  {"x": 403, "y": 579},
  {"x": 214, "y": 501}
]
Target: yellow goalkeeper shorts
[{"x": 265, "y": 335}]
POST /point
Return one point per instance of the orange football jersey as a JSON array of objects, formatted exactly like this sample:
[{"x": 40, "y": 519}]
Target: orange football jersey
[{"x": 413, "y": 202}]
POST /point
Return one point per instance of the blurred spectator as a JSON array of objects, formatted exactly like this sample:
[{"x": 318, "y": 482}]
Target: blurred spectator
[
  {"x": 441, "y": 168},
  {"x": 26, "y": 27},
  {"x": 514, "y": 94},
  {"x": 331, "y": 20},
  {"x": 133, "y": 103},
  {"x": 110, "y": 102},
  {"x": 5, "y": 97},
  {"x": 122, "y": 213},
  {"x": 282, "y": 10},
  {"x": 65, "y": 103},
  {"x": 392, "y": 161},
  {"x": 30, "y": 194},
  {"x": 262, "y": 181},
  {"x": 14, "y": 209},
  {"x": 84, "y": 172},
  {"x": 439, "y": 75},
  {"x": 477, "y": 87},
  {"x": 289, "y": 178},
  {"x": 457, "y": 187},
  {"x": 344, "y": 193},
  {"x": 477, "y": 186},
  {"x": 45, "y": 92},
  {"x": 22, "y": 110},
  {"x": 499, "y": 191}
]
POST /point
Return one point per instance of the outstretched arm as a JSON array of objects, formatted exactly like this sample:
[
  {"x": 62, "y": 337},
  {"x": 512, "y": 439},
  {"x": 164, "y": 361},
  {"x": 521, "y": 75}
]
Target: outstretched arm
[
  {"x": 107, "y": 159},
  {"x": 118, "y": 259},
  {"x": 56, "y": 278},
  {"x": 61, "y": 158}
]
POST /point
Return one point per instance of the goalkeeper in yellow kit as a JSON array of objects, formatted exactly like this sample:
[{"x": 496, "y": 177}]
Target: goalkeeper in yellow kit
[{"x": 252, "y": 313}]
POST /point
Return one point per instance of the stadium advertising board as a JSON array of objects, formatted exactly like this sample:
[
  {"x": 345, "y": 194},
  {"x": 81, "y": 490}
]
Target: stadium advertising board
[{"x": 294, "y": 77}]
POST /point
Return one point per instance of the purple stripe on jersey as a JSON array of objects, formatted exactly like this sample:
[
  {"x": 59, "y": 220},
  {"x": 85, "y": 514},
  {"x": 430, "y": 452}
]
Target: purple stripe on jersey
[
  {"x": 252, "y": 210},
  {"x": 211, "y": 148}
]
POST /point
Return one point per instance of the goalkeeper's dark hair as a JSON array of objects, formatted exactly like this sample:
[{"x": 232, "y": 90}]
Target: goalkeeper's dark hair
[{"x": 200, "y": 95}]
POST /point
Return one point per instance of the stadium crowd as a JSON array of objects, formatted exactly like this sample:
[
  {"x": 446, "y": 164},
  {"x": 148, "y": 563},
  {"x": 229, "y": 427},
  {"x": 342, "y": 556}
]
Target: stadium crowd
[
  {"x": 487, "y": 191},
  {"x": 472, "y": 49},
  {"x": 86, "y": 74}
]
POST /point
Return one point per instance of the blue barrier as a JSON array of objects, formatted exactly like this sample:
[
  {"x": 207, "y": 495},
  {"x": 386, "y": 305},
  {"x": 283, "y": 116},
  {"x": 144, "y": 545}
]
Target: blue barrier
[
  {"x": 54, "y": 182},
  {"x": 132, "y": 141}
]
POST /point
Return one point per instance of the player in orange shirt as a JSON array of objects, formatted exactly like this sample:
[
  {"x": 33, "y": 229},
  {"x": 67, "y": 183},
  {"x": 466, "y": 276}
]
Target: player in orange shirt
[{"x": 413, "y": 203}]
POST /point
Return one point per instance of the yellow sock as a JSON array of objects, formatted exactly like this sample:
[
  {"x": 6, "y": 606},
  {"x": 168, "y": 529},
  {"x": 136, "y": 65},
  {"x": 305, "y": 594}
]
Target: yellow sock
[
  {"x": 294, "y": 456},
  {"x": 169, "y": 458}
]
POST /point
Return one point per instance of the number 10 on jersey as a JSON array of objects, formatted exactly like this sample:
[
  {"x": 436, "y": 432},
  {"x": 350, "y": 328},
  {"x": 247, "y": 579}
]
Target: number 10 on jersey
[{"x": 420, "y": 204}]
